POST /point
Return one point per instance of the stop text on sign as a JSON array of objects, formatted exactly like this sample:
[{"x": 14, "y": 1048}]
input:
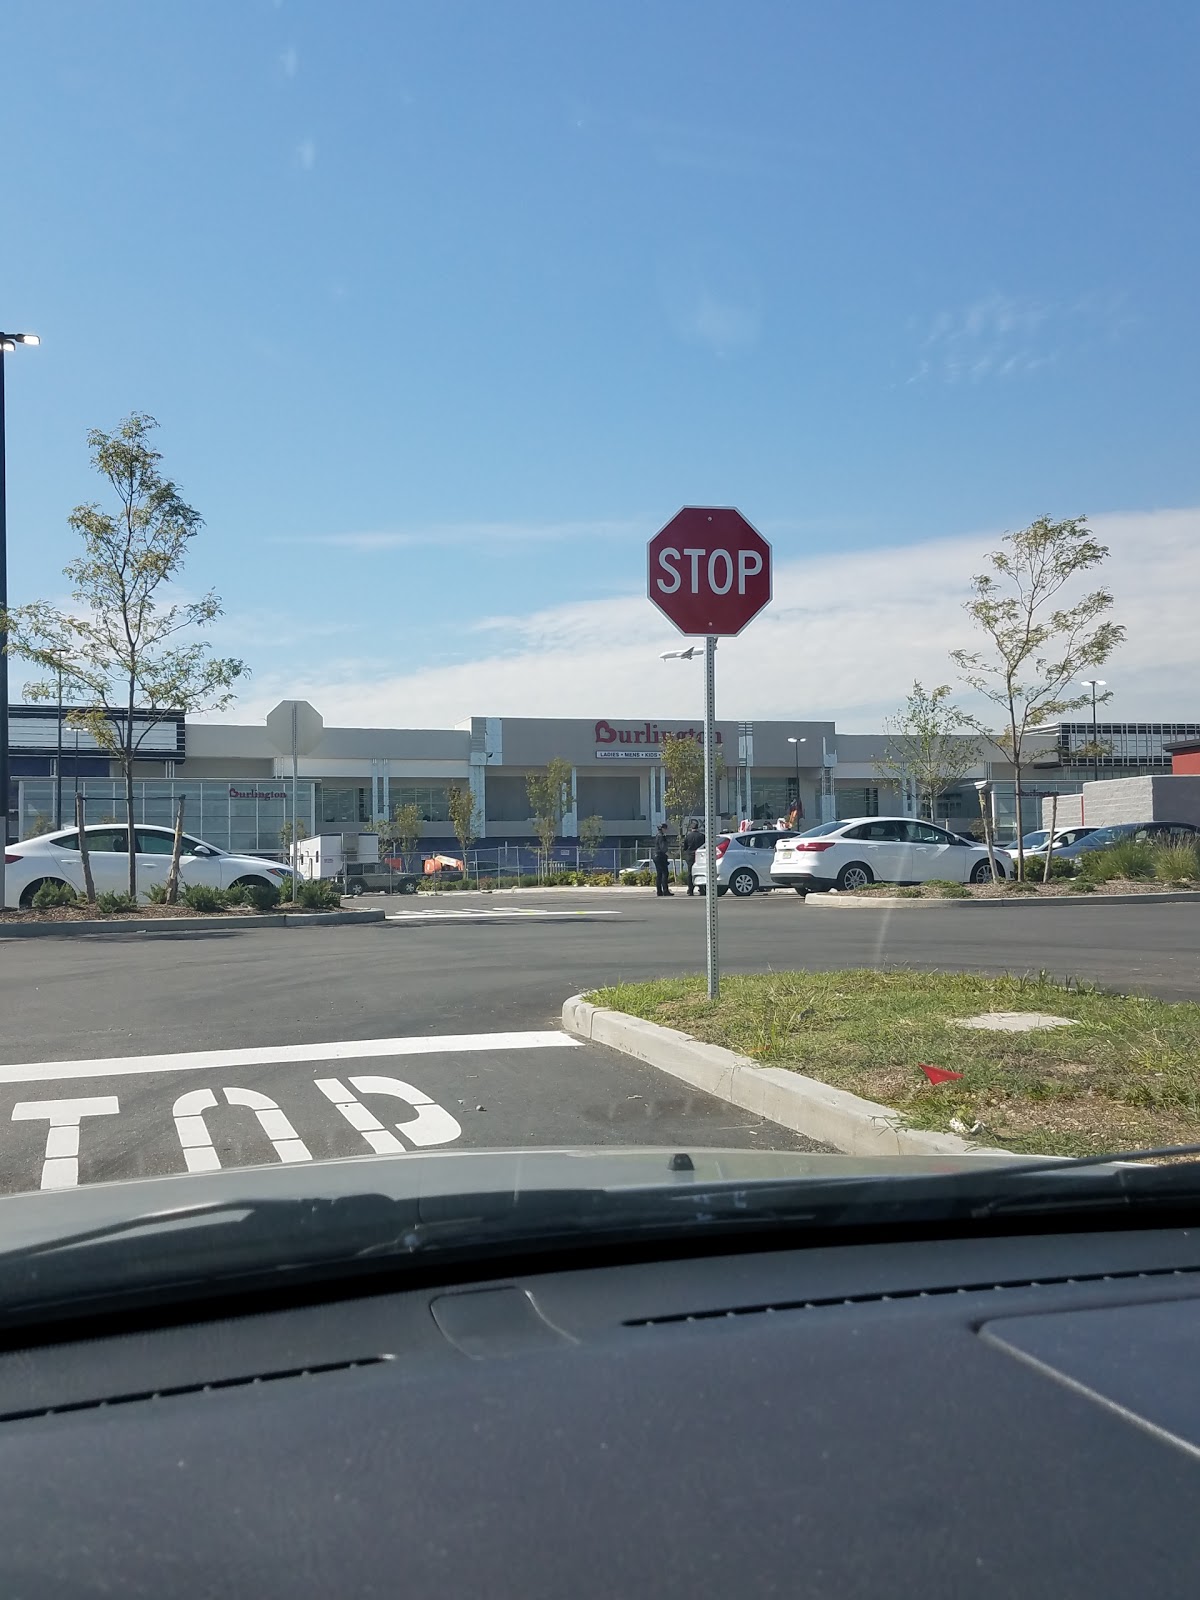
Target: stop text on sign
[
  {"x": 709, "y": 570},
  {"x": 718, "y": 568}
]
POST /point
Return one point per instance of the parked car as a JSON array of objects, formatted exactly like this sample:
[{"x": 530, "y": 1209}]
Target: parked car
[
  {"x": 644, "y": 864},
  {"x": 1062, "y": 838},
  {"x": 55, "y": 858},
  {"x": 743, "y": 861},
  {"x": 1139, "y": 832},
  {"x": 859, "y": 851}
]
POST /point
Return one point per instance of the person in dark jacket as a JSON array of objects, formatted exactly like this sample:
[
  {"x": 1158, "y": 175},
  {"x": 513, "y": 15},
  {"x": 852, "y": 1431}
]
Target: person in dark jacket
[
  {"x": 693, "y": 840},
  {"x": 662, "y": 861}
]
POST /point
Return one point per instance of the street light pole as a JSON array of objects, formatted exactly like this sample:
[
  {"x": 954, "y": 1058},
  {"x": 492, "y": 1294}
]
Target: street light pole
[
  {"x": 797, "y": 742},
  {"x": 58, "y": 756},
  {"x": 8, "y": 343},
  {"x": 1093, "y": 684}
]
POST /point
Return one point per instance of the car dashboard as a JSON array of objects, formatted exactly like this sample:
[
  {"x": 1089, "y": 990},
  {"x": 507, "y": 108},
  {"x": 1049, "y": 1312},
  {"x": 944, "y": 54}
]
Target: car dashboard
[{"x": 1003, "y": 1416}]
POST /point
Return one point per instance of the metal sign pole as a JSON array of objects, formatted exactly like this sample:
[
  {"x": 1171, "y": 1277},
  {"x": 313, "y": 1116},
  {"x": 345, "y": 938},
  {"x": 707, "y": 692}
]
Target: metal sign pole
[
  {"x": 295, "y": 788},
  {"x": 710, "y": 812}
]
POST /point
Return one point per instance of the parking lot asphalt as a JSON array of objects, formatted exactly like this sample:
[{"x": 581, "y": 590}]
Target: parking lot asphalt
[{"x": 150, "y": 1053}]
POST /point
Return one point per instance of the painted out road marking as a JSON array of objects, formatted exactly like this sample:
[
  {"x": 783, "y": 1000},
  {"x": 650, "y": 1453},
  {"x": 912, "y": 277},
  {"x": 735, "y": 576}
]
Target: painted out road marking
[
  {"x": 284, "y": 1054},
  {"x": 432, "y": 1124},
  {"x": 60, "y": 1169},
  {"x": 196, "y": 1141},
  {"x": 497, "y": 911}
]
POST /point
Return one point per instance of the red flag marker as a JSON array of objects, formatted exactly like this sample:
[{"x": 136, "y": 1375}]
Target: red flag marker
[{"x": 937, "y": 1074}]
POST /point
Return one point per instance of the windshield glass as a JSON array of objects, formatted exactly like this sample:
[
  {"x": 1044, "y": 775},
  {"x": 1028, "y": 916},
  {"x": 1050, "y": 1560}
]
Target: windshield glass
[{"x": 473, "y": 474}]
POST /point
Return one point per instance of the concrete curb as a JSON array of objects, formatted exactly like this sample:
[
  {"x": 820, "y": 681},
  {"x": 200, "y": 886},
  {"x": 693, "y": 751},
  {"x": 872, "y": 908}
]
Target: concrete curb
[
  {"x": 121, "y": 924},
  {"x": 832, "y": 1116},
  {"x": 852, "y": 902}
]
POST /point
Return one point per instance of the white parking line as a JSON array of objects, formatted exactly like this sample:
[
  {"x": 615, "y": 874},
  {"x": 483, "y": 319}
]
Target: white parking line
[
  {"x": 286, "y": 1054},
  {"x": 499, "y": 911}
]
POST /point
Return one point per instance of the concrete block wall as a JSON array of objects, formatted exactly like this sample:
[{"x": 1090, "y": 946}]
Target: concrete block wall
[{"x": 1158, "y": 798}]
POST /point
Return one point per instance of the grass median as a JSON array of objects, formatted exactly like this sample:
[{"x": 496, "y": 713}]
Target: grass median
[{"x": 1126, "y": 1076}]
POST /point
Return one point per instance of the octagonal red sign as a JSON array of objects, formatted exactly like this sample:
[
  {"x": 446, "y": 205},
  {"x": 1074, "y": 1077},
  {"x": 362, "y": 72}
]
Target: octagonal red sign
[{"x": 709, "y": 571}]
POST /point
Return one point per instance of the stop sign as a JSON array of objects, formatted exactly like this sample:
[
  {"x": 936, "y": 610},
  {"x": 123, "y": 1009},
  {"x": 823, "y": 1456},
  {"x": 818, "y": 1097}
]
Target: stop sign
[{"x": 709, "y": 570}]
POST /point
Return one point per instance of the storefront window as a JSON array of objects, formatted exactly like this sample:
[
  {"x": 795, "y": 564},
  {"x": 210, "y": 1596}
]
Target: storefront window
[{"x": 246, "y": 816}]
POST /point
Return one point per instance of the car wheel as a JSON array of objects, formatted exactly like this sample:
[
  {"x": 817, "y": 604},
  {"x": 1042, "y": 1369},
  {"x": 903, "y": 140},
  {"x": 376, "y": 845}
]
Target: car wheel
[
  {"x": 855, "y": 875},
  {"x": 743, "y": 882},
  {"x": 981, "y": 872}
]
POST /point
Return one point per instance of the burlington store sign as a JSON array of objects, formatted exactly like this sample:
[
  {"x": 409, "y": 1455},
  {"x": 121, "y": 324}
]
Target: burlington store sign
[{"x": 639, "y": 741}]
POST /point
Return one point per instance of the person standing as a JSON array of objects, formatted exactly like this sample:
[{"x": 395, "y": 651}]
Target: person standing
[
  {"x": 693, "y": 840},
  {"x": 662, "y": 861}
]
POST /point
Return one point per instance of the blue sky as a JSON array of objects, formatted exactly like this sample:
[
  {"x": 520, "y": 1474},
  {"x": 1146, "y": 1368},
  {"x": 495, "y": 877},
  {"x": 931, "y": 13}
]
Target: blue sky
[{"x": 444, "y": 308}]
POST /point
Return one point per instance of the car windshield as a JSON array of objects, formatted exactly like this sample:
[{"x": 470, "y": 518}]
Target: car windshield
[{"x": 474, "y": 473}]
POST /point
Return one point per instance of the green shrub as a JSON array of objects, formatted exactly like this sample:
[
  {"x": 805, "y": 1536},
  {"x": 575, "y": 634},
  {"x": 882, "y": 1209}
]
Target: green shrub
[
  {"x": 200, "y": 897},
  {"x": 258, "y": 896},
  {"x": 954, "y": 891},
  {"x": 1026, "y": 887},
  {"x": 51, "y": 895},
  {"x": 909, "y": 892},
  {"x": 1082, "y": 886},
  {"x": 318, "y": 894},
  {"x": 1125, "y": 859},
  {"x": 1175, "y": 863},
  {"x": 108, "y": 902},
  {"x": 1063, "y": 867},
  {"x": 157, "y": 894},
  {"x": 942, "y": 883},
  {"x": 602, "y": 880},
  {"x": 640, "y": 880}
]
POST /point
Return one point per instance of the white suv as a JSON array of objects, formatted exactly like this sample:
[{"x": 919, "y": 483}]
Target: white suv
[
  {"x": 55, "y": 858},
  {"x": 859, "y": 851},
  {"x": 744, "y": 861}
]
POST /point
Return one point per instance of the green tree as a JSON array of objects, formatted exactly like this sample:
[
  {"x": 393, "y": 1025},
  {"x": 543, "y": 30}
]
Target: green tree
[
  {"x": 1037, "y": 646},
  {"x": 929, "y": 745},
  {"x": 683, "y": 762},
  {"x": 591, "y": 834},
  {"x": 549, "y": 795},
  {"x": 464, "y": 817},
  {"x": 130, "y": 648},
  {"x": 40, "y": 824},
  {"x": 404, "y": 830}
]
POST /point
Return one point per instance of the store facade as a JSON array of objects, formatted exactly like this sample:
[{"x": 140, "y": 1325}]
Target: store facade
[{"x": 236, "y": 787}]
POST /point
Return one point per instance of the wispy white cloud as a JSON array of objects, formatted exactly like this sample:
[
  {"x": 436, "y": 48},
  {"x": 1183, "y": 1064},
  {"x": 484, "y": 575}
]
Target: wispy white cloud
[
  {"x": 844, "y": 637},
  {"x": 306, "y": 154},
  {"x": 1006, "y": 336},
  {"x": 455, "y": 534}
]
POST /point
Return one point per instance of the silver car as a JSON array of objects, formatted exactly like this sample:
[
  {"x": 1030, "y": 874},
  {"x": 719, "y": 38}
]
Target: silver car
[{"x": 743, "y": 861}]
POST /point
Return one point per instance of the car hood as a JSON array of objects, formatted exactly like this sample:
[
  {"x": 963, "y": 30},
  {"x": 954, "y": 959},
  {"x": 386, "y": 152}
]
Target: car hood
[{"x": 40, "y": 1217}]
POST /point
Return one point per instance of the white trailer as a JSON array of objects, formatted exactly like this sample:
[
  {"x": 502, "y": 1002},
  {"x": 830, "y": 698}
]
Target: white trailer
[{"x": 332, "y": 855}]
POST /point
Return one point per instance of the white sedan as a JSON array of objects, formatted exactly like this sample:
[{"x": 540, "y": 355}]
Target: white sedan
[
  {"x": 860, "y": 851},
  {"x": 55, "y": 858}
]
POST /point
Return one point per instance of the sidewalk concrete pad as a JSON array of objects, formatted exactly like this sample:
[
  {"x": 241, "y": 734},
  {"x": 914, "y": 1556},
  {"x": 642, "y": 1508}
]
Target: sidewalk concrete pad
[{"x": 1015, "y": 1021}]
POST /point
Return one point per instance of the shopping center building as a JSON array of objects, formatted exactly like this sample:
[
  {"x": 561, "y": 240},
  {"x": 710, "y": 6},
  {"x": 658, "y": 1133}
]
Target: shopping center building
[{"x": 237, "y": 786}]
